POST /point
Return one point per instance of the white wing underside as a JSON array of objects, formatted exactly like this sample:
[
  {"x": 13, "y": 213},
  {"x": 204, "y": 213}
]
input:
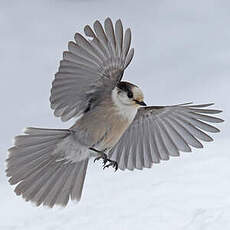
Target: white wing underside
[
  {"x": 159, "y": 132},
  {"x": 90, "y": 68}
]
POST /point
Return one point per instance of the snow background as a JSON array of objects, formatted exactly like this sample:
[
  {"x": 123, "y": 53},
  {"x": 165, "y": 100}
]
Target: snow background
[{"x": 182, "y": 54}]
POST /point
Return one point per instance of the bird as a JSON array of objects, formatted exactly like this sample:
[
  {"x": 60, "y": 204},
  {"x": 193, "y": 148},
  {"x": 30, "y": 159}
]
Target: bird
[{"x": 112, "y": 122}]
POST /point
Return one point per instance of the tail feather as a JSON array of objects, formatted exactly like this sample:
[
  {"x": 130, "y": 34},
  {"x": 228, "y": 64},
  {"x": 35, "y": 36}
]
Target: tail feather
[
  {"x": 43, "y": 132},
  {"x": 25, "y": 151},
  {"x": 56, "y": 186},
  {"x": 63, "y": 196},
  {"x": 22, "y": 171},
  {"x": 31, "y": 182},
  {"x": 34, "y": 141},
  {"x": 41, "y": 176},
  {"x": 77, "y": 190},
  {"x": 47, "y": 181},
  {"x": 15, "y": 161}
]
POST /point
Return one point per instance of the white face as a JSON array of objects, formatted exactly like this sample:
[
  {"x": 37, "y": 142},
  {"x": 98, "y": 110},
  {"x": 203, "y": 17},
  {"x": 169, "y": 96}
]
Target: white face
[
  {"x": 127, "y": 98},
  {"x": 133, "y": 97}
]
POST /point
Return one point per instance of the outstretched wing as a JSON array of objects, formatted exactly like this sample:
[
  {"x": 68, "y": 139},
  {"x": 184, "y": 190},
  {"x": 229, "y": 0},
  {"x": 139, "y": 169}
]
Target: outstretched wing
[
  {"x": 159, "y": 132},
  {"x": 90, "y": 68}
]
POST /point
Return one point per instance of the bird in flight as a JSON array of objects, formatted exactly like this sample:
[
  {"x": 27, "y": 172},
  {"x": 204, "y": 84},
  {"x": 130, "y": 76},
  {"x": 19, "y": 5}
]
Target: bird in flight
[{"x": 48, "y": 166}]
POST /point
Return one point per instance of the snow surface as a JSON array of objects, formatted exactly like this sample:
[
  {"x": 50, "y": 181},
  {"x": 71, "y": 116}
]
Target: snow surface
[{"x": 182, "y": 54}]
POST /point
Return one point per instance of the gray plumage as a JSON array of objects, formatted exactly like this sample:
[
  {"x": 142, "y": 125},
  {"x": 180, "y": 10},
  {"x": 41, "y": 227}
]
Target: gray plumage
[{"x": 48, "y": 166}]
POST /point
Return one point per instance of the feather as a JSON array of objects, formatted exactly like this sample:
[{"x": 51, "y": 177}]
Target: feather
[
  {"x": 83, "y": 61},
  {"x": 110, "y": 35},
  {"x": 84, "y": 45},
  {"x": 42, "y": 175},
  {"x": 167, "y": 140},
  {"x": 199, "y": 124},
  {"x": 159, "y": 144},
  {"x": 176, "y": 137},
  {"x": 78, "y": 186},
  {"x": 207, "y": 111},
  {"x": 119, "y": 36},
  {"x": 189, "y": 138},
  {"x": 126, "y": 43},
  {"x": 129, "y": 58},
  {"x": 192, "y": 129}
]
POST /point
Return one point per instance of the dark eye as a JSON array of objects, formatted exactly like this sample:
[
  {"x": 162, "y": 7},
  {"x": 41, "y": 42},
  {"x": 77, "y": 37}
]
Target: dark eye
[{"x": 130, "y": 94}]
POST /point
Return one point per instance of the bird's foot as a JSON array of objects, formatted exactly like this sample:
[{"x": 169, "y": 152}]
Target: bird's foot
[
  {"x": 111, "y": 163},
  {"x": 105, "y": 159},
  {"x": 103, "y": 156}
]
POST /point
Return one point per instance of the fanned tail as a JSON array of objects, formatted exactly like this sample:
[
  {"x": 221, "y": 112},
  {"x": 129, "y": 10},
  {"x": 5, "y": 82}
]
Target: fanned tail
[{"x": 43, "y": 177}]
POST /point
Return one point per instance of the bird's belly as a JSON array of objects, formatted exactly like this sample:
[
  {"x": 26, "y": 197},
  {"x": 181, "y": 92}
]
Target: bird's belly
[
  {"x": 102, "y": 130},
  {"x": 112, "y": 135}
]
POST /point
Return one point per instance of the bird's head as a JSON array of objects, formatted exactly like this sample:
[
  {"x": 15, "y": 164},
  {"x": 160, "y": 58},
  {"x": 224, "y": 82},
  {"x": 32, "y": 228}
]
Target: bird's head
[{"x": 128, "y": 94}]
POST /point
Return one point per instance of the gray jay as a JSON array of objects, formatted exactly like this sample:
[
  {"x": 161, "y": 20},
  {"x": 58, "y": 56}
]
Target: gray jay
[{"x": 48, "y": 166}]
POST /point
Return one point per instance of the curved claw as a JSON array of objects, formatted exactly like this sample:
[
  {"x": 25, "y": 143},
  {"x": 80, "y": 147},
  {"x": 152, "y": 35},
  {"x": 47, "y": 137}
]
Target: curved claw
[
  {"x": 104, "y": 162},
  {"x": 113, "y": 164},
  {"x": 96, "y": 159},
  {"x": 105, "y": 159},
  {"x": 103, "y": 156},
  {"x": 116, "y": 166}
]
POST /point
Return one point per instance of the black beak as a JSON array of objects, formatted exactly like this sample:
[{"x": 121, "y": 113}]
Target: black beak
[{"x": 140, "y": 103}]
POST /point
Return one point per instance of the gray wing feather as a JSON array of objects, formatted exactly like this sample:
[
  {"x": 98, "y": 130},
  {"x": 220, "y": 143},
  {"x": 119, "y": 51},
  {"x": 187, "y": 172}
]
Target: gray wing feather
[
  {"x": 127, "y": 42},
  {"x": 167, "y": 139},
  {"x": 129, "y": 57},
  {"x": 100, "y": 34},
  {"x": 110, "y": 35},
  {"x": 90, "y": 68},
  {"x": 159, "y": 132},
  {"x": 119, "y": 37}
]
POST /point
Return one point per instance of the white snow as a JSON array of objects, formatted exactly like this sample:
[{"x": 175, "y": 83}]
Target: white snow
[{"x": 182, "y": 54}]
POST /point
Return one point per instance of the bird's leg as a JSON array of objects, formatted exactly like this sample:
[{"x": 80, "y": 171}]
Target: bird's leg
[
  {"x": 102, "y": 155},
  {"x": 105, "y": 159}
]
